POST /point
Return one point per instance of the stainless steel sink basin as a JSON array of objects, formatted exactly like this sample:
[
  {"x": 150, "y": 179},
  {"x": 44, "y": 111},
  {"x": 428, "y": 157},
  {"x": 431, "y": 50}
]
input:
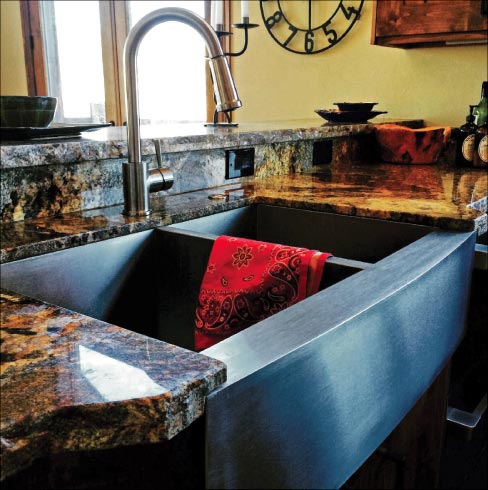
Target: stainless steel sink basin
[
  {"x": 313, "y": 390},
  {"x": 361, "y": 239},
  {"x": 149, "y": 282}
]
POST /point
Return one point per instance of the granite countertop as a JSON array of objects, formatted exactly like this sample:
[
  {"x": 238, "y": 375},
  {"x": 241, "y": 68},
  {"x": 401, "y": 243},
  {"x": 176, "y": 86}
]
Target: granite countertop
[
  {"x": 70, "y": 382},
  {"x": 440, "y": 196},
  {"x": 50, "y": 355}
]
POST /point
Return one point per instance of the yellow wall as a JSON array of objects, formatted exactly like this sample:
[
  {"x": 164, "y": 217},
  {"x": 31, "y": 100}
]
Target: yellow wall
[
  {"x": 13, "y": 79},
  {"x": 436, "y": 84}
]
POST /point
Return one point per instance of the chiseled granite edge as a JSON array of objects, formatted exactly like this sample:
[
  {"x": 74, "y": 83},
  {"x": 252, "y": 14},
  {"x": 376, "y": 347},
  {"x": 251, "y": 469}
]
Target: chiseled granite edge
[
  {"x": 50, "y": 396},
  {"x": 481, "y": 224},
  {"x": 112, "y": 142}
]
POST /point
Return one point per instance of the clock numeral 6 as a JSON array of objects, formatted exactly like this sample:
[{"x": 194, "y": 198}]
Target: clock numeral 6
[
  {"x": 274, "y": 19},
  {"x": 309, "y": 41}
]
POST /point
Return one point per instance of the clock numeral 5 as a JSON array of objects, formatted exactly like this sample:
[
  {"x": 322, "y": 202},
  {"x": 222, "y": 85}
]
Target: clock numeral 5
[
  {"x": 349, "y": 12},
  {"x": 309, "y": 42},
  {"x": 274, "y": 19},
  {"x": 330, "y": 32}
]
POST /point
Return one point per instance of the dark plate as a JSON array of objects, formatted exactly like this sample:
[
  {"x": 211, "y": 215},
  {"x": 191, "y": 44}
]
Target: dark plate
[
  {"x": 53, "y": 131},
  {"x": 348, "y": 116}
]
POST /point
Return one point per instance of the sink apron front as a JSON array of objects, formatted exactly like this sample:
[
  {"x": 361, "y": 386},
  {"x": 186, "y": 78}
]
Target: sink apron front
[{"x": 315, "y": 389}]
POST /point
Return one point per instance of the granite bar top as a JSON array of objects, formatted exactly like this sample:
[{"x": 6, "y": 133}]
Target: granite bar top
[
  {"x": 70, "y": 382},
  {"x": 112, "y": 142},
  {"x": 49, "y": 354}
]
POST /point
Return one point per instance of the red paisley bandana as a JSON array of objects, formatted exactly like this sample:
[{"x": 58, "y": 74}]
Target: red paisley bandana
[{"x": 247, "y": 281}]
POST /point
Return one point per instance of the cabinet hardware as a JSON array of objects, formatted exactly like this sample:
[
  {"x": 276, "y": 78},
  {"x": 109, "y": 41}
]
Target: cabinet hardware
[{"x": 467, "y": 421}]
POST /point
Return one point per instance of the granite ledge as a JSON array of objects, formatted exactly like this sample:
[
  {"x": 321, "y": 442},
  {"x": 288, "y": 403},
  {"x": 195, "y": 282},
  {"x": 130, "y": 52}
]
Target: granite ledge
[
  {"x": 112, "y": 142},
  {"x": 62, "y": 388}
]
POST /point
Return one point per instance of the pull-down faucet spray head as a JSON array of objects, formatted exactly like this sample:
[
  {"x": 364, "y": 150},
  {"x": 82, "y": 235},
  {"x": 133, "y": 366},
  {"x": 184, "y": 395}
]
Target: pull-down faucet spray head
[{"x": 138, "y": 182}]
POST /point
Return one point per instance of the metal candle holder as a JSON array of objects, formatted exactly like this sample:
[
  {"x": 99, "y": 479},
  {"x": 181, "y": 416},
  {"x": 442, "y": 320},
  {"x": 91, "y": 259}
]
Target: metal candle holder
[{"x": 246, "y": 25}]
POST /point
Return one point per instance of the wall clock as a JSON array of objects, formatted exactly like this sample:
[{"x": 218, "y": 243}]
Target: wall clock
[{"x": 309, "y": 26}]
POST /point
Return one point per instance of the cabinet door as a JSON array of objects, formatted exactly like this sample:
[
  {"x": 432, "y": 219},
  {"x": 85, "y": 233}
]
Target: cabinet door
[{"x": 412, "y": 22}]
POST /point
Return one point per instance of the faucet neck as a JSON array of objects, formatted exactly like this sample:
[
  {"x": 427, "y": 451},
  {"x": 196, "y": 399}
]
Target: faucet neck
[{"x": 225, "y": 91}]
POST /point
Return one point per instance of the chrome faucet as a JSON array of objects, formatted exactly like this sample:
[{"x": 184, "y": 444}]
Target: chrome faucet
[{"x": 138, "y": 181}]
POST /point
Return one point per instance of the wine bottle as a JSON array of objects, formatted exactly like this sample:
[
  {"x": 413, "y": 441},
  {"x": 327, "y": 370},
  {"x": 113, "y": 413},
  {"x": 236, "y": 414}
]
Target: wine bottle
[
  {"x": 465, "y": 141},
  {"x": 481, "y": 110},
  {"x": 480, "y": 157}
]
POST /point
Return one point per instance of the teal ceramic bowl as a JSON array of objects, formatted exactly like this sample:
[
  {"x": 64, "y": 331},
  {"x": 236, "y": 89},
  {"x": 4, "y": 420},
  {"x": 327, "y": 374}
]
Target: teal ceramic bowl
[{"x": 26, "y": 112}]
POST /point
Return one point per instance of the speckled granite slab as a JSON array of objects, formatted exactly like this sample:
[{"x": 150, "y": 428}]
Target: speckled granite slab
[
  {"x": 450, "y": 198},
  {"x": 41, "y": 179},
  {"x": 70, "y": 382}
]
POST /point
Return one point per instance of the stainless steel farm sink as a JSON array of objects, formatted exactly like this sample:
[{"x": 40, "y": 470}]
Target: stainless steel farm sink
[
  {"x": 149, "y": 282},
  {"x": 313, "y": 390}
]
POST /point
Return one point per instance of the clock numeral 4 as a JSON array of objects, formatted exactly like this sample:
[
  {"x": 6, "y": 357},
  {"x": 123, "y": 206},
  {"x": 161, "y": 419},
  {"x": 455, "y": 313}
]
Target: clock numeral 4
[
  {"x": 274, "y": 19},
  {"x": 349, "y": 11}
]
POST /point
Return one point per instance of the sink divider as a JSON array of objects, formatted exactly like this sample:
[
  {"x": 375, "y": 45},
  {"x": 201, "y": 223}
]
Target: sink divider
[{"x": 335, "y": 269}]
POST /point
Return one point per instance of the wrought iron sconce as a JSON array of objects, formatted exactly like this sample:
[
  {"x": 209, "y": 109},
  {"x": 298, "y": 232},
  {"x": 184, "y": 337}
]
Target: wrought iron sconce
[
  {"x": 219, "y": 30},
  {"x": 245, "y": 25}
]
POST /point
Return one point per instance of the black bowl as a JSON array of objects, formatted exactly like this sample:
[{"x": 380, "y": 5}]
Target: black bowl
[
  {"x": 355, "y": 106},
  {"x": 22, "y": 111}
]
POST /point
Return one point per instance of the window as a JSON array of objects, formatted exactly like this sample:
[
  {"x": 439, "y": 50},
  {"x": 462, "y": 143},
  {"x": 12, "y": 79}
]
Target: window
[
  {"x": 74, "y": 64},
  {"x": 171, "y": 67},
  {"x": 82, "y": 60}
]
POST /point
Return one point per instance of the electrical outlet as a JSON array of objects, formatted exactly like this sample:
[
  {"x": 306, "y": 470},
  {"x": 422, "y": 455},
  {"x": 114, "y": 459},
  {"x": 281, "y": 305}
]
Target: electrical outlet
[{"x": 239, "y": 163}]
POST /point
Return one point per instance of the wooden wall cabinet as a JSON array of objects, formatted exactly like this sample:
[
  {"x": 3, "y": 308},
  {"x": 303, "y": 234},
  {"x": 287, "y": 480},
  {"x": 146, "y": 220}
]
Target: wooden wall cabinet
[{"x": 424, "y": 23}]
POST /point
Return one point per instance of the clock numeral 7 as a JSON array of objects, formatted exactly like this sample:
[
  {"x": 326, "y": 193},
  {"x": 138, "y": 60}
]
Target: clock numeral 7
[
  {"x": 330, "y": 32},
  {"x": 293, "y": 30},
  {"x": 349, "y": 12},
  {"x": 274, "y": 19}
]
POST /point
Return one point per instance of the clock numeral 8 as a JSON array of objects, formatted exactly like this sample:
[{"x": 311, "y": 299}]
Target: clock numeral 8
[
  {"x": 309, "y": 41},
  {"x": 274, "y": 19}
]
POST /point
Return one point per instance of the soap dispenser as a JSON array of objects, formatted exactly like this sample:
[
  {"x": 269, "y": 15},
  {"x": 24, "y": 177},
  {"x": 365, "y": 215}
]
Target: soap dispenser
[
  {"x": 480, "y": 156},
  {"x": 465, "y": 141}
]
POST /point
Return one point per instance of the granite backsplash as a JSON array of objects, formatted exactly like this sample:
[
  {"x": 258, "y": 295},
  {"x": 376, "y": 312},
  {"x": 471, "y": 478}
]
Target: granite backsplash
[{"x": 53, "y": 178}]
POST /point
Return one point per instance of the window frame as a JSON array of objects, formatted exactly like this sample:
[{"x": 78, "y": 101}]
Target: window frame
[
  {"x": 33, "y": 48},
  {"x": 115, "y": 27}
]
